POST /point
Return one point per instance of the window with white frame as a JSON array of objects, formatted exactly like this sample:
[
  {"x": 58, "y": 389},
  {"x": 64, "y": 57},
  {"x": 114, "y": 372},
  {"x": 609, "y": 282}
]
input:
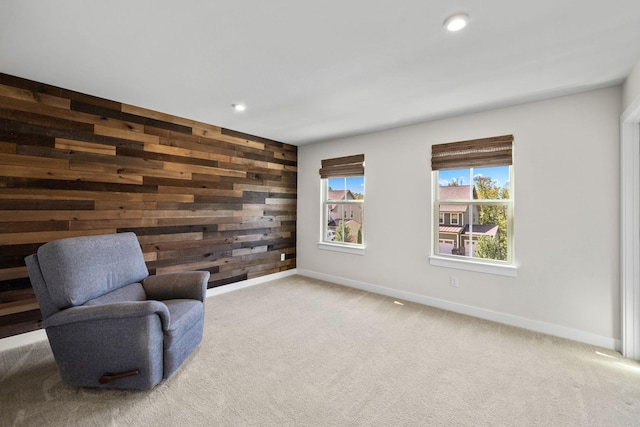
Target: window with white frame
[
  {"x": 475, "y": 180},
  {"x": 343, "y": 201}
]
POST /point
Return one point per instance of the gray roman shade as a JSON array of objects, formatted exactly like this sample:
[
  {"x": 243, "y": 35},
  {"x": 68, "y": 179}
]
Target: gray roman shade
[
  {"x": 485, "y": 152},
  {"x": 343, "y": 166}
]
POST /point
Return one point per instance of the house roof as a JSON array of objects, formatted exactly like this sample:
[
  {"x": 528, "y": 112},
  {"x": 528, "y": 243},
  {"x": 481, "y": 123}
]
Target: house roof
[
  {"x": 455, "y": 192},
  {"x": 457, "y": 229},
  {"x": 478, "y": 229},
  {"x": 453, "y": 208},
  {"x": 482, "y": 229},
  {"x": 340, "y": 195}
]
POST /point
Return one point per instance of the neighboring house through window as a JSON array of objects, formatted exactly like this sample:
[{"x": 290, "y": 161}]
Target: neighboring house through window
[
  {"x": 473, "y": 200},
  {"x": 343, "y": 201}
]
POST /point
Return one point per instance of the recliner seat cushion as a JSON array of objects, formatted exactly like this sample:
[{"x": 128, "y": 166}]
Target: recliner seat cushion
[{"x": 132, "y": 292}]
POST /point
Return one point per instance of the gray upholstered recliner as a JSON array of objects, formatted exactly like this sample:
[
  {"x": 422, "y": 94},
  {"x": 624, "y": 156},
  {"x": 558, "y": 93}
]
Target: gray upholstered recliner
[{"x": 109, "y": 323}]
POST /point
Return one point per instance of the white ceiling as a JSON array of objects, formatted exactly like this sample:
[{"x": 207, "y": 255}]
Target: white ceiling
[{"x": 311, "y": 71}]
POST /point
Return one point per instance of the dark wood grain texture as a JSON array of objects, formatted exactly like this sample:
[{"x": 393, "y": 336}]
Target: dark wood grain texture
[{"x": 198, "y": 196}]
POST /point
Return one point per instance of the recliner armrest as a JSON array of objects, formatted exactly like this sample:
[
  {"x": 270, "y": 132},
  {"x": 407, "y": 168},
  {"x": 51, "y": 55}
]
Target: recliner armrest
[
  {"x": 183, "y": 284},
  {"x": 109, "y": 311}
]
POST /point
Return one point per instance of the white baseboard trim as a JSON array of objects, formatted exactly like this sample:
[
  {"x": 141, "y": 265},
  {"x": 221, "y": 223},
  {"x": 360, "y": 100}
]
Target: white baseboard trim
[
  {"x": 250, "y": 282},
  {"x": 23, "y": 339},
  {"x": 507, "y": 319},
  {"x": 32, "y": 337}
]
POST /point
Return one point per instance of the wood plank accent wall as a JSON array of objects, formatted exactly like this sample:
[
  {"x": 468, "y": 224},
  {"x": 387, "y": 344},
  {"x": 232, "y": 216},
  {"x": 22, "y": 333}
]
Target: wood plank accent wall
[{"x": 199, "y": 197}]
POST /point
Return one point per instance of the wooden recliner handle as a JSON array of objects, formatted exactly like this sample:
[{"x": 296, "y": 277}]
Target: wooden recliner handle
[{"x": 106, "y": 377}]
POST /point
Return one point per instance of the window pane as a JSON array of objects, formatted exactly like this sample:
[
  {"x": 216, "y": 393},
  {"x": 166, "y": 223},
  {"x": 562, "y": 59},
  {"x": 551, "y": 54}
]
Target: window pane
[
  {"x": 336, "y": 188},
  {"x": 488, "y": 236},
  {"x": 343, "y": 231},
  {"x": 492, "y": 183},
  {"x": 344, "y": 223},
  {"x": 355, "y": 184},
  {"x": 454, "y": 178},
  {"x": 449, "y": 239},
  {"x": 333, "y": 217},
  {"x": 351, "y": 188},
  {"x": 485, "y": 236}
]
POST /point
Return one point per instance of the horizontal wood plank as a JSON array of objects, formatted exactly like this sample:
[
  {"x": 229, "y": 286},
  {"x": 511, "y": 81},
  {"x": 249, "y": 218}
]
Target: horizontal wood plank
[
  {"x": 88, "y": 147},
  {"x": 47, "y": 236},
  {"x": 47, "y": 215},
  {"x": 66, "y": 175}
]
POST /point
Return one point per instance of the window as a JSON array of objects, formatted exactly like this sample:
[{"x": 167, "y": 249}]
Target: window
[
  {"x": 441, "y": 217},
  {"x": 343, "y": 201},
  {"x": 473, "y": 182}
]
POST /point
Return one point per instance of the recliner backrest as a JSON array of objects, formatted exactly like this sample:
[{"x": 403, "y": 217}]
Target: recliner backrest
[{"x": 78, "y": 269}]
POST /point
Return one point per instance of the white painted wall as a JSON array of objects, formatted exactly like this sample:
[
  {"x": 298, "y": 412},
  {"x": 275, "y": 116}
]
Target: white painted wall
[
  {"x": 567, "y": 216},
  {"x": 631, "y": 88}
]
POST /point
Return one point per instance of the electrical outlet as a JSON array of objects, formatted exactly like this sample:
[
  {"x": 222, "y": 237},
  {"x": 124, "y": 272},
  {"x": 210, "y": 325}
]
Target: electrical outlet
[
  {"x": 281, "y": 257},
  {"x": 454, "y": 281}
]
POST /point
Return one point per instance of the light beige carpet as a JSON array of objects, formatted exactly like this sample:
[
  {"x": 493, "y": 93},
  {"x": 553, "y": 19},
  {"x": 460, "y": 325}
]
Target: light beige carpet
[{"x": 301, "y": 352}]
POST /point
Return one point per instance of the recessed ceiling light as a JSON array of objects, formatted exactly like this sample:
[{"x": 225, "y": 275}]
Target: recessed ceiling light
[
  {"x": 239, "y": 107},
  {"x": 456, "y": 22}
]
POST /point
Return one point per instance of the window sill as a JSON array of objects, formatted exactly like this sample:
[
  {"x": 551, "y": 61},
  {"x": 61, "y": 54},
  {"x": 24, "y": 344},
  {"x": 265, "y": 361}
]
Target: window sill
[
  {"x": 480, "y": 267},
  {"x": 349, "y": 249}
]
